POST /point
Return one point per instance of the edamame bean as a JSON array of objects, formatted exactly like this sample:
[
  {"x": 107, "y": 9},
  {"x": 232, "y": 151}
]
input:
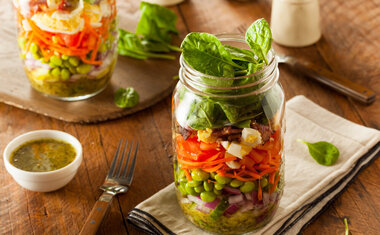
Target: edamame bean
[
  {"x": 190, "y": 190},
  {"x": 199, "y": 175},
  {"x": 64, "y": 57},
  {"x": 219, "y": 186},
  {"x": 73, "y": 70},
  {"x": 65, "y": 74},
  {"x": 55, "y": 60},
  {"x": 34, "y": 48},
  {"x": 263, "y": 182},
  {"x": 222, "y": 179},
  {"x": 194, "y": 183},
  {"x": 236, "y": 183},
  {"x": 182, "y": 189},
  {"x": 84, "y": 68},
  {"x": 208, "y": 196},
  {"x": 56, "y": 72},
  {"x": 43, "y": 60},
  {"x": 212, "y": 175},
  {"x": 247, "y": 187},
  {"x": 199, "y": 189},
  {"x": 209, "y": 186},
  {"x": 74, "y": 61},
  {"x": 217, "y": 192},
  {"x": 36, "y": 56}
]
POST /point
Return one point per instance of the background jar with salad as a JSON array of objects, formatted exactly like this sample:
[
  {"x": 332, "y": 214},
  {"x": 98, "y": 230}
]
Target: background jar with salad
[
  {"x": 228, "y": 144},
  {"x": 68, "y": 47}
]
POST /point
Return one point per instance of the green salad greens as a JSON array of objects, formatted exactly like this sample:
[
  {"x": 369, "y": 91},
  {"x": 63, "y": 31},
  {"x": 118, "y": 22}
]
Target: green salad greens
[
  {"x": 323, "y": 152},
  {"x": 126, "y": 98},
  {"x": 206, "y": 54},
  {"x": 153, "y": 34}
]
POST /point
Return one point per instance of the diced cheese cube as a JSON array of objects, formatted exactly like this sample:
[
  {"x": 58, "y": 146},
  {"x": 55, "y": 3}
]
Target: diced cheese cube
[
  {"x": 251, "y": 137},
  {"x": 232, "y": 164},
  {"x": 225, "y": 144},
  {"x": 238, "y": 150}
]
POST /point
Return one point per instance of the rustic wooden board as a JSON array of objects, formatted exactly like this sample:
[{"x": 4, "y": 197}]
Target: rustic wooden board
[{"x": 153, "y": 79}]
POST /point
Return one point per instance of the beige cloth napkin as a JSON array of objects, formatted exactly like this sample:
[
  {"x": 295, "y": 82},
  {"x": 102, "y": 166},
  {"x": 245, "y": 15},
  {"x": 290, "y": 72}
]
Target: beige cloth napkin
[{"x": 309, "y": 187}]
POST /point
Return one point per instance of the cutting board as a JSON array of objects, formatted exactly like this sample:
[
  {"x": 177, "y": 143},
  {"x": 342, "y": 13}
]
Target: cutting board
[{"x": 152, "y": 78}]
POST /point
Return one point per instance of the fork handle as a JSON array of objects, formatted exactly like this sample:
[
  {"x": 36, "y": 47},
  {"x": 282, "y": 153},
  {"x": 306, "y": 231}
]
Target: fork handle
[{"x": 97, "y": 214}]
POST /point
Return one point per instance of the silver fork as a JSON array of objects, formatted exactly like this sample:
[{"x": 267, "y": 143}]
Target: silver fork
[{"x": 117, "y": 181}]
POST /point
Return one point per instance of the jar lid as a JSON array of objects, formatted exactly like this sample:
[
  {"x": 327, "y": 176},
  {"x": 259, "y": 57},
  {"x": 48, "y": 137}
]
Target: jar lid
[
  {"x": 164, "y": 2},
  {"x": 298, "y": 1}
]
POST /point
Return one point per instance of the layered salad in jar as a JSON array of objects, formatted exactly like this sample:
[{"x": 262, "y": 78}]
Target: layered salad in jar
[
  {"x": 228, "y": 165},
  {"x": 69, "y": 47}
]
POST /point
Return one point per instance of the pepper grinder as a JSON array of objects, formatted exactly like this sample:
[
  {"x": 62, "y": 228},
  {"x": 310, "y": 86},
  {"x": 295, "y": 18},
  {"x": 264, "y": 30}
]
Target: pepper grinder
[{"x": 295, "y": 23}]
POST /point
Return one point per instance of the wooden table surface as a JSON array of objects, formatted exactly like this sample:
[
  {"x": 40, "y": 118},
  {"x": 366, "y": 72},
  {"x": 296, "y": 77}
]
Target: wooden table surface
[{"x": 349, "y": 46}]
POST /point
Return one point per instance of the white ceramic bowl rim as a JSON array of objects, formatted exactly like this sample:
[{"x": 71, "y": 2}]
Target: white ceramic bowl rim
[{"x": 54, "y": 134}]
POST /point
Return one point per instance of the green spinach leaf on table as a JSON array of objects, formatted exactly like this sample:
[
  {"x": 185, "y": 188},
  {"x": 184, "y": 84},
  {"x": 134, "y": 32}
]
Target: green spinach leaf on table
[
  {"x": 323, "y": 152},
  {"x": 126, "y": 97},
  {"x": 259, "y": 38}
]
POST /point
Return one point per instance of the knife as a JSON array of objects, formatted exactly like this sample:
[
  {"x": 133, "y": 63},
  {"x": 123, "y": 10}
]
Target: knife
[{"x": 333, "y": 80}]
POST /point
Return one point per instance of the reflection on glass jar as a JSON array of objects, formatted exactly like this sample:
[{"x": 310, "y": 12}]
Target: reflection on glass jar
[
  {"x": 69, "y": 47},
  {"x": 228, "y": 145}
]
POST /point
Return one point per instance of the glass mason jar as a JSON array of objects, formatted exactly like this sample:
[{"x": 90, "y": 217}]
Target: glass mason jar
[
  {"x": 228, "y": 146},
  {"x": 68, "y": 47}
]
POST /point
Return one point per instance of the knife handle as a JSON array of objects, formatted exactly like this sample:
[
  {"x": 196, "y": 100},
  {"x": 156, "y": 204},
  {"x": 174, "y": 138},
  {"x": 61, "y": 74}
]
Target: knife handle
[{"x": 335, "y": 81}]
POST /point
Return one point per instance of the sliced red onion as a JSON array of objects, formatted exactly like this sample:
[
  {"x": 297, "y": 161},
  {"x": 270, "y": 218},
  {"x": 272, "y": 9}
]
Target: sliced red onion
[
  {"x": 254, "y": 197},
  {"x": 203, "y": 209},
  {"x": 231, "y": 190},
  {"x": 197, "y": 200},
  {"x": 273, "y": 197},
  {"x": 265, "y": 198},
  {"x": 236, "y": 199},
  {"x": 247, "y": 206},
  {"x": 185, "y": 200},
  {"x": 231, "y": 210},
  {"x": 248, "y": 196},
  {"x": 212, "y": 205}
]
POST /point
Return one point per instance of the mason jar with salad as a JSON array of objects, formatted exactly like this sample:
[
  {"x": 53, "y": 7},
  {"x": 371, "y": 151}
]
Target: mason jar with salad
[
  {"x": 68, "y": 47},
  {"x": 228, "y": 128}
]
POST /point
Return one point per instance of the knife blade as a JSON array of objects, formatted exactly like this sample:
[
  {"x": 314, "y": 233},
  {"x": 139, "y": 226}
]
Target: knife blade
[{"x": 333, "y": 80}]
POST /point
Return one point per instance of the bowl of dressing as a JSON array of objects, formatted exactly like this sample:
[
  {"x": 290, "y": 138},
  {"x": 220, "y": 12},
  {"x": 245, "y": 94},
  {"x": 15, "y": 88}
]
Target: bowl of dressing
[{"x": 43, "y": 160}]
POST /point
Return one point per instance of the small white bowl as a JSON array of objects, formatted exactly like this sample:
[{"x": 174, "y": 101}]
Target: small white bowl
[{"x": 43, "y": 181}]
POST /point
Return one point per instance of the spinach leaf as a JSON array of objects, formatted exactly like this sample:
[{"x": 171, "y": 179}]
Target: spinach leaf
[
  {"x": 244, "y": 124},
  {"x": 130, "y": 45},
  {"x": 126, "y": 98},
  {"x": 259, "y": 38},
  {"x": 240, "y": 54},
  {"x": 156, "y": 22},
  {"x": 238, "y": 113},
  {"x": 323, "y": 152},
  {"x": 204, "y": 113},
  {"x": 206, "y": 54}
]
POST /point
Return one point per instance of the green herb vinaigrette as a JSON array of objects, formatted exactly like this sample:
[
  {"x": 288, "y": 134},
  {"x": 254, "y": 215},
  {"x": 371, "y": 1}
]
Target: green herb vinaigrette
[{"x": 43, "y": 155}]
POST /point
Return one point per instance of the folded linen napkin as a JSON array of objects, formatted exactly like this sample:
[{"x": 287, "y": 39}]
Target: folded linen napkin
[{"x": 309, "y": 187}]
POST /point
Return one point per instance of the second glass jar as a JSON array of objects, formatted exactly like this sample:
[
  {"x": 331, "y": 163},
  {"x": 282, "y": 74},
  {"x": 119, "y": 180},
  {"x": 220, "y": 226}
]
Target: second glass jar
[
  {"x": 228, "y": 146},
  {"x": 69, "y": 47}
]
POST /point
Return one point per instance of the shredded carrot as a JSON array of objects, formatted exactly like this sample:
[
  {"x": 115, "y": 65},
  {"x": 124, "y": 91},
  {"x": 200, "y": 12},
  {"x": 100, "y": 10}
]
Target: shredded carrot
[
  {"x": 271, "y": 190},
  {"x": 260, "y": 193},
  {"x": 271, "y": 177},
  {"x": 213, "y": 169},
  {"x": 188, "y": 176}
]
